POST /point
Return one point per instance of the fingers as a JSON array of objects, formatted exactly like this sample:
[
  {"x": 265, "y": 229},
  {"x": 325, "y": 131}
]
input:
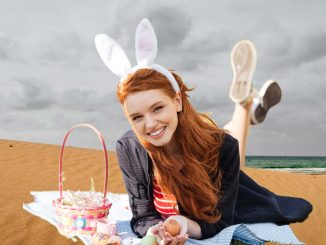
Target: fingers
[
  {"x": 155, "y": 228},
  {"x": 178, "y": 240},
  {"x": 183, "y": 239},
  {"x": 161, "y": 232},
  {"x": 164, "y": 236},
  {"x": 174, "y": 242}
]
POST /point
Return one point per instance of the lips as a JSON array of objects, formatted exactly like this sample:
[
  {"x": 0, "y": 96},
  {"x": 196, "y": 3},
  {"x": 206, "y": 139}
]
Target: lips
[{"x": 157, "y": 132}]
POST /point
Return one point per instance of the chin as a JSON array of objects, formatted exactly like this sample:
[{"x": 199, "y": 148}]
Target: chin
[{"x": 159, "y": 143}]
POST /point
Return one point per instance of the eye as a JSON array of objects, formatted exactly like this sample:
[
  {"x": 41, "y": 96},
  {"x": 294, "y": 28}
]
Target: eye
[
  {"x": 136, "y": 118},
  {"x": 158, "y": 108}
]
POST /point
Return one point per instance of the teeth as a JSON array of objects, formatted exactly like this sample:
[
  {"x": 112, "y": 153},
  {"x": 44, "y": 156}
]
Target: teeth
[{"x": 157, "y": 132}]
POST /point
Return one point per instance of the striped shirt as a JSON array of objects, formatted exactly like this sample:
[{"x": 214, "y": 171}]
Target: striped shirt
[{"x": 165, "y": 203}]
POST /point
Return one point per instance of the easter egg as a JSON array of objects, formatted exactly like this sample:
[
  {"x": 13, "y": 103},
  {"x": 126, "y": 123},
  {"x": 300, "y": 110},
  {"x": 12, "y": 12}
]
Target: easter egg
[
  {"x": 149, "y": 240},
  {"x": 172, "y": 227},
  {"x": 100, "y": 239},
  {"x": 114, "y": 240}
]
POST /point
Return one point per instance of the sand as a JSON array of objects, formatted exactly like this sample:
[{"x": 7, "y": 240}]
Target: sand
[{"x": 28, "y": 166}]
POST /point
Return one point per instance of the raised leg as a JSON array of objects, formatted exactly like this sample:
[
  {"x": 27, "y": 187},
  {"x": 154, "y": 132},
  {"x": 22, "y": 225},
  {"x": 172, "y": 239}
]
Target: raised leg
[
  {"x": 243, "y": 63},
  {"x": 238, "y": 127},
  {"x": 251, "y": 106}
]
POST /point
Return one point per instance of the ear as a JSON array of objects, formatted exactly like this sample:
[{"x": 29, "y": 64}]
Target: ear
[
  {"x": 146, "y": 43},
  {"x": 178, "y": 101},
  {"x": 112, "y": 55}
]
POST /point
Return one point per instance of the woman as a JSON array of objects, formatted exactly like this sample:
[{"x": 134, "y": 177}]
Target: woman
[{"x": 176, "y": 161}]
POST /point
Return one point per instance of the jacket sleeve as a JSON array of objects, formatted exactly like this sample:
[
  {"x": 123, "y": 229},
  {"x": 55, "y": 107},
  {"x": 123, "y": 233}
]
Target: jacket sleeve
[
  {"x": 142, "y": 207},
  {"x": 229, "y": 163}
]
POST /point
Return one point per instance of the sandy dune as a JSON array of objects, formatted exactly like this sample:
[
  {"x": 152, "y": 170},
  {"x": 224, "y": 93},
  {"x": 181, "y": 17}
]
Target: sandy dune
[{"x": 30, "y": 166}]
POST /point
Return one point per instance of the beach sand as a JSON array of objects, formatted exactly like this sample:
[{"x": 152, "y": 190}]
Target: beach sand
[{"x": 26, "y": 167}]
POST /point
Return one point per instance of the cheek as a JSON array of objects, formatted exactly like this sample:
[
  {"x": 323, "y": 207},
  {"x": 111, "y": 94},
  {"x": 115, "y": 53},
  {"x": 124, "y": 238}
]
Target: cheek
[
  {"x": 135, "y": 126},
  {"x": 173, "y": 118}
]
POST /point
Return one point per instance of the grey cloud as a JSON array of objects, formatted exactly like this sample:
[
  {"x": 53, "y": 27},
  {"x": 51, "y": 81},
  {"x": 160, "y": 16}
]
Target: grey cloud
[
  {"x": 311, "y": 46},
  {"x": 9, "y": 49},
  {"x": 179, "y": 47},
  {"x": 197, "y": 52},
  {"x": 31, "y": 94},
  {"x": 84, "y": 100},
  {"x": 308, "y": 122},
  {"x": 209, "y": 100},
  {"x": 121, "y": 20},
  {"x": 203, "y": 104},
  {"x": 66, "y": 47},
  {"x": 20, "y": 122},
  {"x": 291, "y": 50},
  {"x": 171, "y": 25}
]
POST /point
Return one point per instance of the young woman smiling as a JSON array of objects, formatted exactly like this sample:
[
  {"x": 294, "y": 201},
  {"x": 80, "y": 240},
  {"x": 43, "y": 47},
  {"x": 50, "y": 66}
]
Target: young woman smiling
[{"x": 176, "y": 161}]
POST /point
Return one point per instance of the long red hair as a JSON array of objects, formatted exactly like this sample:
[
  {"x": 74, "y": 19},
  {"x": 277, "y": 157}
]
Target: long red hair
[{"x": 195, "y": 179}]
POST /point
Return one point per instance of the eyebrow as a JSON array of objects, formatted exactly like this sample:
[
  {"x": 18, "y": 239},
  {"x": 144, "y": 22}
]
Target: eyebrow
[{"x": 155, "y": 104}]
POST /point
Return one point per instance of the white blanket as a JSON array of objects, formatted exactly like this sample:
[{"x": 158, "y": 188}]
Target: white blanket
[{"x": 252, "y": 234}]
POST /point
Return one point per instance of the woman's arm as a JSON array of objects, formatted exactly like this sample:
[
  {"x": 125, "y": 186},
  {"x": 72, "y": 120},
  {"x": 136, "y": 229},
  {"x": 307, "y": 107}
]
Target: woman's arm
[
  {"x": 143, "y": 210},
  {"x": 194, "y": 230}
]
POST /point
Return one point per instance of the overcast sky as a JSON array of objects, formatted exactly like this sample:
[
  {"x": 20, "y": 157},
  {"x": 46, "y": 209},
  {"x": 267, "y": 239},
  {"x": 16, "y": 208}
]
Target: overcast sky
[{"x": 52, "y": 78}]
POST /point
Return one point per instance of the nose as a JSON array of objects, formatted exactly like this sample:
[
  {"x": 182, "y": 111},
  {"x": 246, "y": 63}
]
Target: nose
[{"x": 150, "y": 122}]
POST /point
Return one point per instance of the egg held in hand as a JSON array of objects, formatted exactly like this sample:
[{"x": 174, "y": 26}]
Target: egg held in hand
[{"x": 172, "y": 227}]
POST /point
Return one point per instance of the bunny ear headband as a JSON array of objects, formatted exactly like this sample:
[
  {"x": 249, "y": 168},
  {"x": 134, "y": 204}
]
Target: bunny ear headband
[{"x": 117, "y": 61}]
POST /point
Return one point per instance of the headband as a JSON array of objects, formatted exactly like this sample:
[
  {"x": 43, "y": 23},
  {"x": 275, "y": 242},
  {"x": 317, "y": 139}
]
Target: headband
[{"x": 115, "y": 58}]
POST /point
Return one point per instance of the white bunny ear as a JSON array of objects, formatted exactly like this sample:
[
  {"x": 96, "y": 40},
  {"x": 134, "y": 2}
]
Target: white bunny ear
[
  {"x": 112, "y": 55},
  {"x": 146, "y": 43}
]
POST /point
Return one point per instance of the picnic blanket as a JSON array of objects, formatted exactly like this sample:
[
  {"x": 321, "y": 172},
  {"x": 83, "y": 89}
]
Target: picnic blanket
[{"x": 251, "y": 234}]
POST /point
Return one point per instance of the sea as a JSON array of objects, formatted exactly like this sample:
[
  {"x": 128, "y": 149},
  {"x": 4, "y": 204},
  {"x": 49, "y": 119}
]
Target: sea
[{"x": 297, "y": 164}]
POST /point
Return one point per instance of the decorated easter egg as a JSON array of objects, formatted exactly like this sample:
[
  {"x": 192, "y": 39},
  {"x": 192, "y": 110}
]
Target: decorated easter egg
[
  {"x": 172, "y": 227},
  {"x": 149, "y": 240},
  {"x": 114, "y": 240}
]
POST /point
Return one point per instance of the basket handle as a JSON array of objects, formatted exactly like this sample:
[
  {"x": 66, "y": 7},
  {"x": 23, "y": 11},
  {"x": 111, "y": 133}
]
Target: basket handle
[{"x": 105, "y": 156}]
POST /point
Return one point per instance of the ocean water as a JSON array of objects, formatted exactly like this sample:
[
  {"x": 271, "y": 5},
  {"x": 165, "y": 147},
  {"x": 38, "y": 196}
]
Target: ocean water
[{"x": 285, "y": 162}]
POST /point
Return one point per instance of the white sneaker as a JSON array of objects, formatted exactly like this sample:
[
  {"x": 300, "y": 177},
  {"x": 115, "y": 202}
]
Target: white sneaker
[
  {"x": 269, "y": 95},
  {"x": 243, "y": 62}
]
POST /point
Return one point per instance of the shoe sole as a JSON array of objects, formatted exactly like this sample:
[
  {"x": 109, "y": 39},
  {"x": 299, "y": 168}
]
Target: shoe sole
[
  {"x": 270, "y": 95},
  {"x": 243, "y": 63}
]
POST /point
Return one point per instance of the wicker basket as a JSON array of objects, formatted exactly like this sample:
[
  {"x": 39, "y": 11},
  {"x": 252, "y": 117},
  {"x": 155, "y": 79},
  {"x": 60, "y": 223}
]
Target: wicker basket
[{"x": 76, "y": 220}]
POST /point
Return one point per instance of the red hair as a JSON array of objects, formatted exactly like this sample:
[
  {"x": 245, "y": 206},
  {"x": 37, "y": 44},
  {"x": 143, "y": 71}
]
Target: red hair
[{"x": 195, "y": 179}]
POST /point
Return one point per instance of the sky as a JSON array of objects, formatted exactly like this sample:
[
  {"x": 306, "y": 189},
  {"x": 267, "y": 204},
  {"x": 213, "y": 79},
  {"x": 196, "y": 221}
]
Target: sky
[{"x": 51, "y": 76}]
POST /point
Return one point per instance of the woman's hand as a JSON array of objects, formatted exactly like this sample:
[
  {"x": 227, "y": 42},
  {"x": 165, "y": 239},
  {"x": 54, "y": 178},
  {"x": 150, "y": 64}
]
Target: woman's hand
[
  {"x": 188, "y": 226},
  {"x": 165, "y": 238}
]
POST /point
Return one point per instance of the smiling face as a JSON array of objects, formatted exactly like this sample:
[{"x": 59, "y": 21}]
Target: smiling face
[{"x": 153, "y": 115}]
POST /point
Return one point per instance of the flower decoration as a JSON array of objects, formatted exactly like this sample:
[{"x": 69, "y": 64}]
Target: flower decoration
[{"x": 80, "y": 222}]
